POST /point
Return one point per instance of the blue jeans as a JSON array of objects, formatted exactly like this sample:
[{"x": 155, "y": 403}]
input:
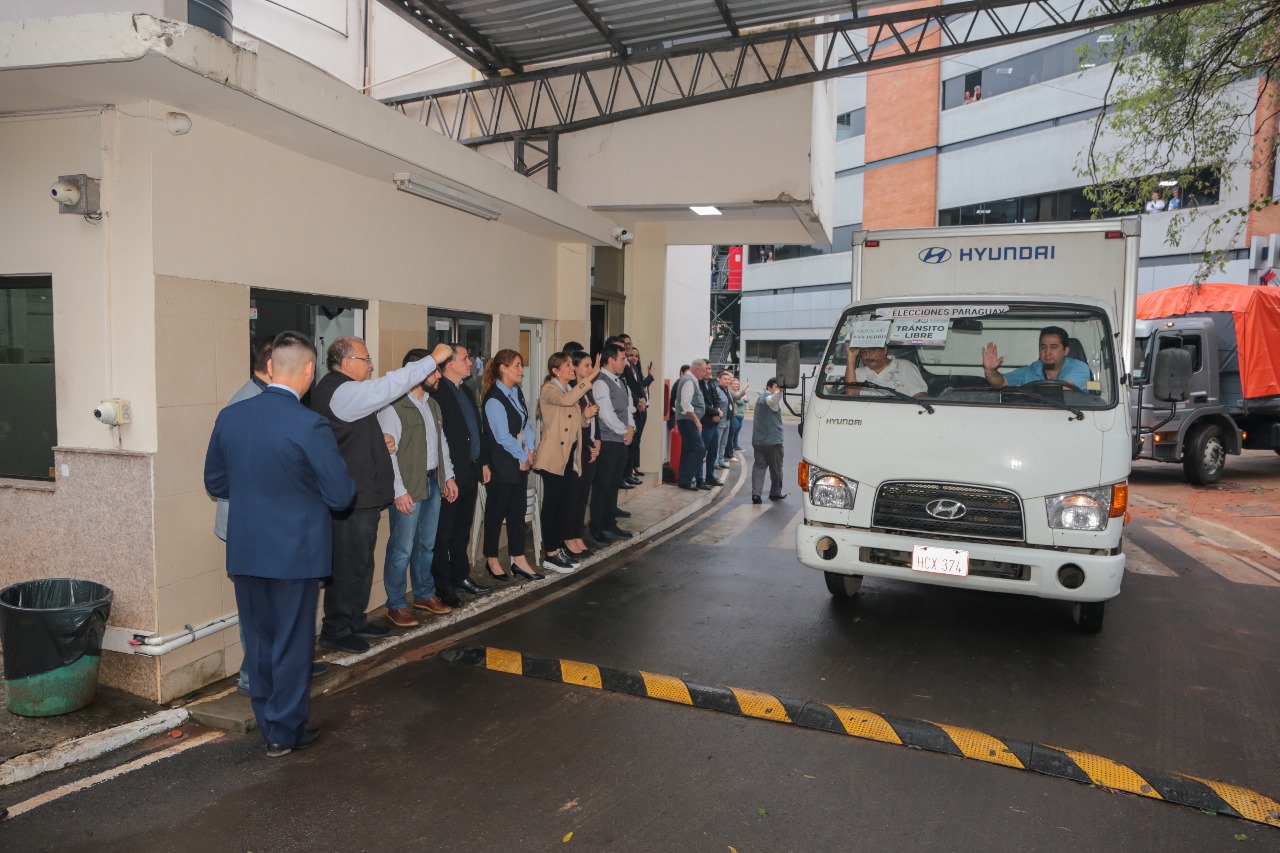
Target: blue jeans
[
  {"x": 711, "y": 442},
  {"x": 411, "y": 546},
  {"x": 735, "y": 430}
]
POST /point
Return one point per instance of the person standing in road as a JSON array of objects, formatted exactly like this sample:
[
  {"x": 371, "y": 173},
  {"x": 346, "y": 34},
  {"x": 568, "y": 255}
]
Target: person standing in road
[
  {"x": 617, "y": 429},
  {"x": 350, "y": 398},
  {"x": 422, "y": 475},
  {"x": 561, "y": 454},
  {"x": 451, "y": 565},
  {"x": 279, "y": 465},
  {"x": 688, "y": 405},
  {"x": 766, "y": 442},
  {"x": 509, "y": 435}
]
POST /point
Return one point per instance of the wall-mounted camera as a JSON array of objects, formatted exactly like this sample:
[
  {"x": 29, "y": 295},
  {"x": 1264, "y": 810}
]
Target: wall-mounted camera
[
  {"x": 623, "y": 235},
  {"x": 77, "y": 194},
  {"x": 113, "y": 412}
]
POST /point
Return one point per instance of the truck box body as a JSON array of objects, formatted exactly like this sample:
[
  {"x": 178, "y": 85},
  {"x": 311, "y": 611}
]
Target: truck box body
[{"x": 1017, "y": 481}]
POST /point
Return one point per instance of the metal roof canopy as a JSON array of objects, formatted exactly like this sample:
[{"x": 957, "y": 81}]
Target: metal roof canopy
[{"x": 537, "y": 104}]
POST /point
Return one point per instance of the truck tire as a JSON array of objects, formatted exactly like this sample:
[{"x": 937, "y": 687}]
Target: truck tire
[
  {"x": 843, "y": 586},
  {"x": 1088, "y": 615},
  {"x": 1205, "y": 456}
]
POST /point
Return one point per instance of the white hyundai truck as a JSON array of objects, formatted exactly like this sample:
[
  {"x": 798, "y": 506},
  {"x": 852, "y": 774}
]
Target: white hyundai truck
[{"x": 943, "y": 444}]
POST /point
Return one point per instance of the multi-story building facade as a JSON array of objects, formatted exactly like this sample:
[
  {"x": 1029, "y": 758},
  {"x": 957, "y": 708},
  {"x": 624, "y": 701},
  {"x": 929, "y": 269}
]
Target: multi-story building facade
[{"x": 916, "y": 149}]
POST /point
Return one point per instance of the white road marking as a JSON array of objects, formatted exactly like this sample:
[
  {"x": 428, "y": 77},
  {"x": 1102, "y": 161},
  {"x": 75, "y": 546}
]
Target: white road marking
[
  {"x": 786, "y": 538},
  {"x": 730, "y": 526},
  {"x": 1140, "y": 562},
  {"x": 107, "y": 775},
  {"x": 1220, "y": 562}
]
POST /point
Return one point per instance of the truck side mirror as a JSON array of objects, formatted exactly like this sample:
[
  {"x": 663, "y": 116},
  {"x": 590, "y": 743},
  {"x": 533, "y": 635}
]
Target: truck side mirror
[
  {"x": 1171, "y": 375},
  {"x": 787, "y": 368}
]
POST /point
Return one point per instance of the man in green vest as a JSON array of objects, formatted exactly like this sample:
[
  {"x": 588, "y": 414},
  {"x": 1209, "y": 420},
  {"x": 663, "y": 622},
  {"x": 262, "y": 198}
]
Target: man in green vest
[{"x": 423, "y": 475}]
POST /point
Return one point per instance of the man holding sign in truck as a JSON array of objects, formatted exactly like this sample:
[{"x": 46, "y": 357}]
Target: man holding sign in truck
[{"x": 880, "y": 368}]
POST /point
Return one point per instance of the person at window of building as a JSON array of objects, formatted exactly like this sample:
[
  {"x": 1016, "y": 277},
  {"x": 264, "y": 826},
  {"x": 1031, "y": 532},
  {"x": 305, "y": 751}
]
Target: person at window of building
[
  {"x": 560, "y": 456},
  {"x": 968, "y": 96},
  {"x": 1175, "y": 199},
  {"x": 1156, "y": 204},
  {"x": 422, "y": 476},
  {"x": 882, "y": 369},
  {"x": 977, "y": 94},
  {"x": 350, "y": 398},
  {"x": 509, "y": 435},
  {"x": 574, "y": 544},
  {"x": 1054, "y": 363}
]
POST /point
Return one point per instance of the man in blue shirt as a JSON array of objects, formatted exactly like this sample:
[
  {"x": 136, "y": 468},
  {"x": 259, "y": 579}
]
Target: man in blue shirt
[{"x": 1054, "y": 363}]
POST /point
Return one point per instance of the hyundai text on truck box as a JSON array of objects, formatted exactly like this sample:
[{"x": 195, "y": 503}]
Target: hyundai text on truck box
[{"x": 980, "y": 459}]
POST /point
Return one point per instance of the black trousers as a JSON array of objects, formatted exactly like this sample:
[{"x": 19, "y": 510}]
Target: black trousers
[
  {"x": 505, "y": 502},
  {"x": 693, "y": 455},
  {"x": 278, "y": 617},
  {"x": 451, "y": 566},
  {"x": 611, "y": 467},
  {"x": 355, "y": 533},
  {"x": 633, "y": 451},
  {"x": 558, "y": 491},
  {"x": 578, "y": 502}
]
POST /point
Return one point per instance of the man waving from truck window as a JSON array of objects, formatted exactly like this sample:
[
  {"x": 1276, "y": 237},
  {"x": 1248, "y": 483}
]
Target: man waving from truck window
[{"x": 1054, "y": 363}]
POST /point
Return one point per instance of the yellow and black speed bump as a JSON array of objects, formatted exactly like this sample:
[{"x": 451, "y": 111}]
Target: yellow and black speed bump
[{"x": 1083, "y": 767}]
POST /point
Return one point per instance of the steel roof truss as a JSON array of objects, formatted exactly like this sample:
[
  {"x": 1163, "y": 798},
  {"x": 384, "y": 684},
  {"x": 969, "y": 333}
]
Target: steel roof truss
[{"x": 573, "y": 97}]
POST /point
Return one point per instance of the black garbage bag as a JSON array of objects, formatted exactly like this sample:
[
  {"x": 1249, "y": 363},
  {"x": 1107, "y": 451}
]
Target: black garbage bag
[{"x": 51, "y": 623}]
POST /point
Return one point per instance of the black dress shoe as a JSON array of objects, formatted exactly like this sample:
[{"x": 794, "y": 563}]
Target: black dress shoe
[
  {"x": 580, "y": 555},
  {"x": 349, "y": 643},
  {"x": 319, "y": 669},
  {"x": 606, "y": 536},
  {"x": 777, "y": 497},
  {"x": 449, "y": 599},
  {"x": 626, "y": 485},
  {"x": 633, "y": 480},
  {"x": 619, "y": 533},
  {"x": 622, "y": 513},
  {"x": 715, "y": 482},
  {"x": 504, "y": 577},
  {"x": 532, "y": 576},
  {"x": 370, "y": 631},
  {"x": 309, "y": 736},
  {"x": 755, "y": 499},
  {"x": 706, "y": 487},
  {"x": 468, "y": 585},
  {"x": 692, "y": 488}
]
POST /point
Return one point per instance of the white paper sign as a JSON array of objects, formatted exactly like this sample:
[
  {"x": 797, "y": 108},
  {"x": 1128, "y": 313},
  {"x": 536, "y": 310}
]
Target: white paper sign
[
  {"x": 868, "y": 333},
  {"x": 919, "y": 332},
  {"x": 926, "y": 312}
]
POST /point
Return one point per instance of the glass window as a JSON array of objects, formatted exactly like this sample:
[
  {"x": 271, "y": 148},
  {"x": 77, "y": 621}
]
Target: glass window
[
  {"x": 934, "y": 351},
  {"x": 28, "y": 410},
  {"x": 851, "y": 124},
  {"x": 1059, "y": 60}
]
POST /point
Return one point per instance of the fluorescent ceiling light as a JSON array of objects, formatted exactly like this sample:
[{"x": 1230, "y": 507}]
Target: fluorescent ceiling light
[
  {"x": 444, "y": 194},
  {"x": 705, "y": 210},
  {"x": 1168, "y": 183},
  {"x": 1106, "y": 38},
  {"x": 1004, "y": 70},
  {"x": 1084, "y": 65}
]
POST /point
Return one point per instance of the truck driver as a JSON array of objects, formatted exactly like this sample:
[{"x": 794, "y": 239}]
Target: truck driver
[
  {"x": 1054, "y": 363},
  {"x": 882, "y": 369}
]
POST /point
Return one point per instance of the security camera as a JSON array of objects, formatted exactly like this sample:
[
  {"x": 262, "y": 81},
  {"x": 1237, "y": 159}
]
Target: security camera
[
  {"x": 113, "y": 412},
  {"x": 623, "y": 235},
  {"x": 65, "y": 193}
]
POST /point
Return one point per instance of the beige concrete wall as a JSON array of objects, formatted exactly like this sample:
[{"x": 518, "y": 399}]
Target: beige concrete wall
[{"x": 645, "y": 263}]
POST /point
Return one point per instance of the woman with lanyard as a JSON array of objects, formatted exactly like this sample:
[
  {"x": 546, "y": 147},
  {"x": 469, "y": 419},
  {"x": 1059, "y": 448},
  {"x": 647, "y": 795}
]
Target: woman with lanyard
[
  {"x": 560, "y": 462},
  {"x": 590, "y": 439},
  {"x": 509, "y": 438}
]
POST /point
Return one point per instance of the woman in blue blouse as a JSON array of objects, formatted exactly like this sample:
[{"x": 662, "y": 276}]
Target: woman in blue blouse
[{"x": 509, "y": 437}]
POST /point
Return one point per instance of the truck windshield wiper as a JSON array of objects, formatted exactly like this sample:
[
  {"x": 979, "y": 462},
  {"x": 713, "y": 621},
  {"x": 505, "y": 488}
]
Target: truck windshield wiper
[
  {"x": 1057, "y": 404},
  {"x": 895, "y": 392}
]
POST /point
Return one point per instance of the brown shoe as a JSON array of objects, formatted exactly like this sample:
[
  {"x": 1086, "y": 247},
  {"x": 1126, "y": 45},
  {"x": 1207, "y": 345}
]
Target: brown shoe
[
  {"x": 432, "y": 605},
  {"x": 402, "y": 617}
]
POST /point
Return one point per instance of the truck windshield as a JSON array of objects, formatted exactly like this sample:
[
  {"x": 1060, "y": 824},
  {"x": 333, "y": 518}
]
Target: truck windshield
[{"x": 1009, "y": 355}]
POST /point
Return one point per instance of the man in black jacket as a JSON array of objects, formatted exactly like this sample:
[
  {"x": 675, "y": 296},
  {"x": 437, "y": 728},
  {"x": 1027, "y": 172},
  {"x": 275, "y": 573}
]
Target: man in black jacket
[
  {"x": 462, "y": 425},
  {"x": 711, "y": 418},
  {"x": 638, "y": 384}
]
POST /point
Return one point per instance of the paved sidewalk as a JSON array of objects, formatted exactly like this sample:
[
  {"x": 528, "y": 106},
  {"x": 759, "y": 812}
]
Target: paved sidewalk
[{"x": 30, "y": 746}]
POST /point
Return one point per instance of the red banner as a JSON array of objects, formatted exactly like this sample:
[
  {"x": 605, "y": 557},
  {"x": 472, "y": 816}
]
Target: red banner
[{"x": 733, "y": 280}]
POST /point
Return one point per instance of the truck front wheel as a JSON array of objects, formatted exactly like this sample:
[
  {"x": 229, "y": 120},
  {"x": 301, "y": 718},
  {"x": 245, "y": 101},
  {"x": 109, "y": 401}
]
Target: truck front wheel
[
  {"x": 1088, "y": 615},
  {"x": 1205, "y": 455},
  {"x": 843, "y": 586}
]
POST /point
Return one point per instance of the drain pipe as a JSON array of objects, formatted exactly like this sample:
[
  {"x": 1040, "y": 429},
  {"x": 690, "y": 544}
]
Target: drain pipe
[{"x": 155, "y": 646}]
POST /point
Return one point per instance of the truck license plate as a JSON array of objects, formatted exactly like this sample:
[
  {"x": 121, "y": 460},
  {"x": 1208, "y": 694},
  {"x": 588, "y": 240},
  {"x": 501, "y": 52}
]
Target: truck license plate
[{"x": 940, "y": 561}]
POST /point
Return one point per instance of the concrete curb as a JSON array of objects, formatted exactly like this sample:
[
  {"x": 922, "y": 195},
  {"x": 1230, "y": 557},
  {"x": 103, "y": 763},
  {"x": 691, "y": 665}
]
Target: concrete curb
[
  {"x": 86, "y": 748},
  {"x": 1203, "y": 526}
]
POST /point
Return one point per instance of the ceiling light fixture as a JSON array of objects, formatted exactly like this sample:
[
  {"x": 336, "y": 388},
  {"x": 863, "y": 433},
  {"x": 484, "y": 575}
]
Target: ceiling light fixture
[
  {"x": 1168, "y": 183},
  {"x": 444, "y": 194},
  {"x": 705, "y": 210}
]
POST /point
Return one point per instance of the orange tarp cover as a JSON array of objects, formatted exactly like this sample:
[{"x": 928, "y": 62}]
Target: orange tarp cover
[{"x": 1256, "y": 310}]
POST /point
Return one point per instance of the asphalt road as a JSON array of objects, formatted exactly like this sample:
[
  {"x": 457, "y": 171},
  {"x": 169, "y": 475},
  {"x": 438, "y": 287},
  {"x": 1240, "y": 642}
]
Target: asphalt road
[{"x": 1185, "y": 677}]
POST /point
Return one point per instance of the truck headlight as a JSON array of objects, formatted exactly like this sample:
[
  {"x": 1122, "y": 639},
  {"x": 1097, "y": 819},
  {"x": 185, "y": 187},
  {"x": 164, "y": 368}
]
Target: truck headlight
[
  {"x": 830, "y": 490},
  {"x": 1088, "y": 509}
]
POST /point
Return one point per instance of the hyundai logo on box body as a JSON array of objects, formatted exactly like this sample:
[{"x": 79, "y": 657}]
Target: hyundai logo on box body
[{"x": 935, "y": 255}]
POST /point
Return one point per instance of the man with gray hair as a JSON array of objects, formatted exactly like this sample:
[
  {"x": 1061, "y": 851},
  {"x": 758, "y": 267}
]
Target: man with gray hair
[
  {"x": 688, "y": 410},
  {"x": 350, "y": 398}
]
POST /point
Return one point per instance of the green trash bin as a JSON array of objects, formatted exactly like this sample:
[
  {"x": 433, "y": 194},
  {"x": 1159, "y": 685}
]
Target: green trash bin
[{"x": 51, "y": 633}]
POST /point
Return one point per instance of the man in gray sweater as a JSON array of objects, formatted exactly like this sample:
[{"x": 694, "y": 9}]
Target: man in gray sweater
[{"x": 766, "y": 443}]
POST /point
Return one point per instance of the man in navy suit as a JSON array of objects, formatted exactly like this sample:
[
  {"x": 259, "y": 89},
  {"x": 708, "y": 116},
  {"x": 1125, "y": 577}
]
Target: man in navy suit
[{"x": 278, "y": 464}]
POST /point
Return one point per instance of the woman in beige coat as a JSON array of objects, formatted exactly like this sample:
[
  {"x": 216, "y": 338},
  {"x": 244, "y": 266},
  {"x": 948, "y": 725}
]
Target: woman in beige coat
[{"x": 559, "y": 460}]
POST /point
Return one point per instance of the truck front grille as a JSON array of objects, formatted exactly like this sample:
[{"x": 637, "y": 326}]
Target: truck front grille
[{"x": 987, "y": 513}]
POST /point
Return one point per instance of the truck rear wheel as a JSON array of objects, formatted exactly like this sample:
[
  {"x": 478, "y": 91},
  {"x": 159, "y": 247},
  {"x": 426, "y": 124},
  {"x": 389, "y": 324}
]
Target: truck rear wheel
[
  {"x": 1088, "y": 615},
  {"x": 843, "y": 586},
  {"x": 1205, "y": 456}
]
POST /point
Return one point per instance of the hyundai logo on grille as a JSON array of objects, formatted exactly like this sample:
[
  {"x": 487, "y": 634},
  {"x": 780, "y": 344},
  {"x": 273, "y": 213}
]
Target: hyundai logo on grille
[
  {"x": 945, "y": 508},
  {"x": 935, "y": 255}
]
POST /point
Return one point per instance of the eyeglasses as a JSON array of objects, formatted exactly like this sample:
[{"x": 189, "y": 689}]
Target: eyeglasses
[{"x": 367, "y": 359}]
